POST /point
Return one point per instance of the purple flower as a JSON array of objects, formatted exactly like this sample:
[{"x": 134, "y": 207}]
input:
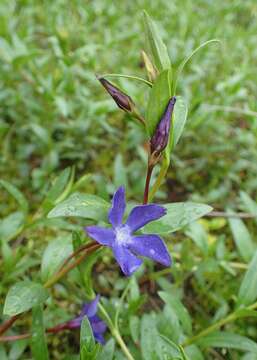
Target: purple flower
[
  {"x": 160, "y": 137},
  {"x": 89, "y": 310},
  {"x": 126, "y": 246},
  {"x": 123, "y": 101}
]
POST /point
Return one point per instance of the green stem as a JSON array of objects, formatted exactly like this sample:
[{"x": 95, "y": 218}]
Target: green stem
[
  {"x": 231, "y": 317},
  {"x": 158, "y": 182},
  {"x": 115, "y": 333},
  {"x": 131, "y": 77}
]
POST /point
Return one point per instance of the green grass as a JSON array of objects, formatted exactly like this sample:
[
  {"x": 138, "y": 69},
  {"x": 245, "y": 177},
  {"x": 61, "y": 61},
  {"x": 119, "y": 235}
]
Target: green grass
[{"x": 54, "y": 114}]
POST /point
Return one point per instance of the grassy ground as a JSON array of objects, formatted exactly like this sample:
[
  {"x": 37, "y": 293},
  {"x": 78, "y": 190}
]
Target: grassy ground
[{"x": 54, "y": 114}]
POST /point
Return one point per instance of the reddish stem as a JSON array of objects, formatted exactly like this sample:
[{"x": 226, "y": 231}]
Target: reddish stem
[{"x": 147, "y": 183}]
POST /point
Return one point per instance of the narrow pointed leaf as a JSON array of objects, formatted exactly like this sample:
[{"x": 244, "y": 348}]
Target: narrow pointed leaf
[
  {"x": 248, "y": 289},
  {"x": 38, "y": 339}
]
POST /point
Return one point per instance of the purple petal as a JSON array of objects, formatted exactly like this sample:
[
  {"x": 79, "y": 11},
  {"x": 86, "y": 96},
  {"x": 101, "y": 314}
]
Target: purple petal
[
  {"x": 99, "y": 338},
  {"x": 118, "y": 207},
  {"x": 102, "y": 235},
  {"x": 143, "y": 214},
  {"x": 98, "y": 325},
  {"x": 90, "y": 309},
  {"x": 127, "y": 261},
  {"x": 151, "y": 246}
]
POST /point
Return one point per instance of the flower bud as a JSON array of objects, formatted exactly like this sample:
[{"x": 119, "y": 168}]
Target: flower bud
[
  {"x": 150, "y": 69},
  {"x": 160, "y": 137},
  {"x": 123, "y": 101}
]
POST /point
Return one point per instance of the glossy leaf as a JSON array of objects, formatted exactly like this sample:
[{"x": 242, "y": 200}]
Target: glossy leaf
[
  {"x": 11, "y": 225},
  {"x": 248, "y": 289},
  {"x": 23, "y": 296},
  {"x": 158, "y": 101},
  {"x": 224, "y": 339},
  {"x": 107, "y": 352},
  {"x": 157, "y": 47},
  {"x": 242, "y": 238},
  {"x": 17, "y": 194},
  {"x": 178, "y": 216},
  {"x": 179, "y": 119},
  {"x": 179, "y": 309},
  {"x": 54, "y": 255},
  {"x": 38, "y": 339},
  {"x": 81, "y": 205}
]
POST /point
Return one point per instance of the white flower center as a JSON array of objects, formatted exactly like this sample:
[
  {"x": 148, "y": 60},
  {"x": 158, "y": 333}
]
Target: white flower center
[{"x": 123, "y": 235}]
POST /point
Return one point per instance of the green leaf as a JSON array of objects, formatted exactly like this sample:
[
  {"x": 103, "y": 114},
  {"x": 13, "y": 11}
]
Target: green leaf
[
  {"x": 199, "y": 235},
  {"x": 11, "y": 226},
  {"x": 249, "y": 204},
  {"x": 158, "y": 49},
  {"x": 38, "y": 339},
  {"x": 158, "y": 101},
  {"x": 149, "y": 336},
  {"x": 120, "y": 173},
  {"x": 55, "y": 194},
  {"x": 178, "y": 216},
  {"x": 134, "y": 325},
  {"x": 17, "y": 194},
  {"x": 23, "y": 296},
  {"x": 81, "y": 205},
  {"x": 54, "y": 255},
  {"x": 222, "y": 339},
  {"x": 194, "y": 353},
  {"x": 107, "y": 352},
  {"x": 88, "y": 349},
  {"x": 179, "y": 119},
  {"x": 179, "y": 309},
  {"x": 248, "y": 289},
  {"x": 242, "y": 238}
]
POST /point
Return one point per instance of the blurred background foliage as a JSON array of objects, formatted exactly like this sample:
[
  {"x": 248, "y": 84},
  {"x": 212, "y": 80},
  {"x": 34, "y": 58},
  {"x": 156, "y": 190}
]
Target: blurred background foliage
[{"x": 54, "y": 114}]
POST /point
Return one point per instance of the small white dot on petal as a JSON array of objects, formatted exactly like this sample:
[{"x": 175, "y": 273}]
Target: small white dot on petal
[{"x": 152, "y": 252}]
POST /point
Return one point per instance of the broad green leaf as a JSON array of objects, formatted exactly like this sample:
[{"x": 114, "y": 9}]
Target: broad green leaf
[
  {"x": 17, "y": 194},
  {"x": 194, "y": 353},
  {"x": 134, "y": 326},
  {"x": 242, "y": 238},
  {"x": 179, "y": 119},
  {"x": 222, "y": 339},
  {"x": 17, "y": 349},
  {"x": 249, "y": 204},
  {"x": 158, "y": 101},
  {"x": 248, "y": 289},
  {"x": 81, "y": 205},
  {"x": 199, "y": 235},
  {"x": 149, "y": 335},
  {"x": 158, "y": 49},
  {"x": 88, "y": 349},
  {"x": 11, "y": 226},
  {"x": 120, "y": 174},
  {"x": 23, "y": 296},
  {"x": 179, "y": 309},
  {"x": 107, "y": 352},
  {"x": 38, "y": 339},
  {"x": 57, "y": 189},
  {"x": 54, "y": 255},
  {"x": 178, "y": 216}
]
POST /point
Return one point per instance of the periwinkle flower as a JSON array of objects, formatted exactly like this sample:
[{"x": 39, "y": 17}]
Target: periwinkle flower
[
  {"x": 90, "y": 310},
  {"x": 160, "y": 137},
  {"x": 120, "y": 238},
  {"x": 123, "y": 101}
]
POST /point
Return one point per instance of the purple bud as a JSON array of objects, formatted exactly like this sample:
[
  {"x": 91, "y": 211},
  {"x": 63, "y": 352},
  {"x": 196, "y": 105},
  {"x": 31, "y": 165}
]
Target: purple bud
[
  {"x": 160, "y": 137},
  {"x": 123, "y": 101}
]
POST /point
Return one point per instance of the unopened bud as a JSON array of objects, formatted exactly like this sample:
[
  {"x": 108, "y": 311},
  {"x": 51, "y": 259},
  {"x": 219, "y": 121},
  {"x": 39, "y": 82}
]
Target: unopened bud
[
  {"x": 160, "y": 137},
  {"x": 152, "y": 72},
  {"x": 123, "y": 101}
]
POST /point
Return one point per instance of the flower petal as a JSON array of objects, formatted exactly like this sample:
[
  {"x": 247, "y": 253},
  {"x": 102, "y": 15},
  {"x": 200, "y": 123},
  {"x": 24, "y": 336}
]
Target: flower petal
[
  {"x": 102, "y": 235},
  {"x": 151, "y": 246},
  {"x": 90, "y": 309},
  {"x": 118, "y": 207},
  {"x": 98, "y": 325},
  {"x": 127, "y": 261},
  {"x": 143, "y": 214},
  {"x": 99, "y": 338}
]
